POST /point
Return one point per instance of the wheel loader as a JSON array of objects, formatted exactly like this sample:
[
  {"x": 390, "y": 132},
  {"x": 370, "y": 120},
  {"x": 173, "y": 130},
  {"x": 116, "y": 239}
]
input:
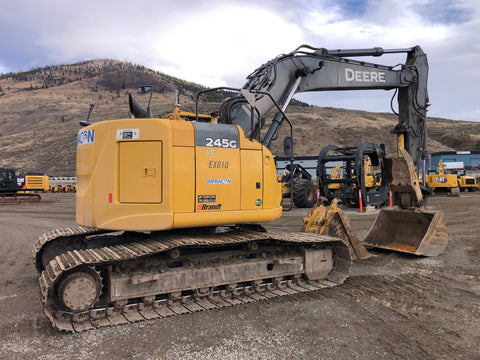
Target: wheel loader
[{"x": 169, "y": 210}]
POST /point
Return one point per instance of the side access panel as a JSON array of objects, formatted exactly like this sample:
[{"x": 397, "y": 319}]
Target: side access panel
[{"x": 140, "y": 172}]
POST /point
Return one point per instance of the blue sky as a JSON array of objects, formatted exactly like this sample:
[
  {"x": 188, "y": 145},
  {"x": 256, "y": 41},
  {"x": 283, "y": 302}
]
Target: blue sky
[{"x": 220, "y": 42}]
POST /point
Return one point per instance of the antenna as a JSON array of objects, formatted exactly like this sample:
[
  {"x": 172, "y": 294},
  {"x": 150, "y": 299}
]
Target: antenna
[{"x": 88, "y": 122}]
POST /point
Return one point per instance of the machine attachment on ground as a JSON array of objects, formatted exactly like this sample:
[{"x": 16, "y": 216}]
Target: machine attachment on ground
[{"x": 418, "y": 232}]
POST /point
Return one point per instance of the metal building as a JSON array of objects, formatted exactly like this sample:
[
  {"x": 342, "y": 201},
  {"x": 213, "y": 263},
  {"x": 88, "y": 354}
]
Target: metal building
[{"x": 470, "y": 159}]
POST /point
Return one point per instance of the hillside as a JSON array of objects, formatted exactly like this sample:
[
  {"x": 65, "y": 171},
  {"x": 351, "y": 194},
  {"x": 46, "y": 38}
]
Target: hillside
[{"x": 40, "y": 111}]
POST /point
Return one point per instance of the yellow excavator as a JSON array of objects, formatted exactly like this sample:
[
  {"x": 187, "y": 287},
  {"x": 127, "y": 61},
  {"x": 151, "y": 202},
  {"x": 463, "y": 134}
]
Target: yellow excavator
[
  {"x": 168, "y": 210},
  {"x": 440, "y": 181}
]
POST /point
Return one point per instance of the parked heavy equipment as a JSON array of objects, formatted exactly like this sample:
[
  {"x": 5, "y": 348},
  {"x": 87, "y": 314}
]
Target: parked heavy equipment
[
  {"x": 356, "y": 164},
  {"x": 16, "y": 188},
  {"x": 63, "y": 184},
  {"x": 169, "y": 211},
  {"x": 466, "y": 182},
  {"x": 297, "y": 184},
  {"x": 441, "y": 181},
  {"x": 340, "y": 181}
]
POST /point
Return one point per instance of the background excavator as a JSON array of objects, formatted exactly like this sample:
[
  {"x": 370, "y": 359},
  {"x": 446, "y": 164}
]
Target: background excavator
[
  {"x": 16, "y": 188},
  {"x": 441, "y": 181},
  {"x": 168, "y": 209}
]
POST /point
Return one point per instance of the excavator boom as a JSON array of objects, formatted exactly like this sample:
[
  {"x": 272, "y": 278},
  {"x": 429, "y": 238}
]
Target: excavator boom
[{"x": 309, "y": 69}]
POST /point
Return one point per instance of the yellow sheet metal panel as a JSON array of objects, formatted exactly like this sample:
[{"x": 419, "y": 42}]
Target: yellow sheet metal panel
[
  {"x": 272, "y": 189},
  {"x": 217, "y": 158},
  {"x": 442, "y": 181},
  {"x": 99, "y": 168},
  {"x": 132, "y": 177},
  {"x": 140, "y": 172},
  {"x": 94, "y": 158},
  {"x": 183, "y": 134},
  {"x": 37, "y": 182},
  {"x": 252, "y": 179},
  {"x": 183, "y": 179},
  {"x": 218, "y": 179},
  {"x": 246, "y": 143},
  {"x": 214, "y": 218}
]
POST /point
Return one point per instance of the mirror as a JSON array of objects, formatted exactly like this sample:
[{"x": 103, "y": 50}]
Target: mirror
[{"x": 288, "y": 146}]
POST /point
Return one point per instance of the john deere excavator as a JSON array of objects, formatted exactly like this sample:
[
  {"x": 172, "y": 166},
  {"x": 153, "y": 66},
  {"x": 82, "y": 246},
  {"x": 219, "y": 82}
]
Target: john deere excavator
[{"x": 168, "y": 210}]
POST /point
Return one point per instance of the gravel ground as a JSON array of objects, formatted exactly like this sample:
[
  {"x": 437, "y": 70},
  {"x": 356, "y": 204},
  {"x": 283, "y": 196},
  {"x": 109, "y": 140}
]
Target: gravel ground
[{"x": 393, "y": 306}]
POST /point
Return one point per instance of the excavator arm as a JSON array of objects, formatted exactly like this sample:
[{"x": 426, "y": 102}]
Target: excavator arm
[{"x": 309, "y": 69}]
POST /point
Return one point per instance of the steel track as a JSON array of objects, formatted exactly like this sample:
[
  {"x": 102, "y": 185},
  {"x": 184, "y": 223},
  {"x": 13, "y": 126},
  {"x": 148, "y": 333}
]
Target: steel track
[{"x": 173, "y": 304}]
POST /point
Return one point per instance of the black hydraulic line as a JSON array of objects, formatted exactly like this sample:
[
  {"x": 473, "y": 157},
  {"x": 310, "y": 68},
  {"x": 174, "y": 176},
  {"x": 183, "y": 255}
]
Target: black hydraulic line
[
  {"x": 210, "y": 90},
  {"x": 391, "y": 101}
]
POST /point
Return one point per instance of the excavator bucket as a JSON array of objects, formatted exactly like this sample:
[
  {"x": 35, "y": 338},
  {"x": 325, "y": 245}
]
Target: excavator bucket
[{"x": 419, "y": 232}]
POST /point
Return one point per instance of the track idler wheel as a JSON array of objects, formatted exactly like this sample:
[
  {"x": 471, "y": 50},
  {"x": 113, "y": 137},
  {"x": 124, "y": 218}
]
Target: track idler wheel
[
  {"x": 49, "y": 253},
  {"x": 79, "y": 290}
]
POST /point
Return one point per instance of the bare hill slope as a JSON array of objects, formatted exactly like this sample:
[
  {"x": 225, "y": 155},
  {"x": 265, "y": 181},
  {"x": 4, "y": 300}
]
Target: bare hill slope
[{"x": 40, "y": 112}]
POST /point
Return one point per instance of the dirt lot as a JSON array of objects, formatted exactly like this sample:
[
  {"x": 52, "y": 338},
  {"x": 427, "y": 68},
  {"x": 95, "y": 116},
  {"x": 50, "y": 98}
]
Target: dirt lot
[{"x": 392, "y": 307}]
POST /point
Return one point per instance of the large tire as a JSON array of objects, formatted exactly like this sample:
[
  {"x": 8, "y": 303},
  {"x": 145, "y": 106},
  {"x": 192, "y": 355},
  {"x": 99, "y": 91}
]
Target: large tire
[{"x": 304, "y": 193}]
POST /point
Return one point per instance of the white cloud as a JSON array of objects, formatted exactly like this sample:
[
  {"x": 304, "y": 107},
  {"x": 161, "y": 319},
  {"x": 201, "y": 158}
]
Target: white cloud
[
  {"x": 218, "y": 43},
  {"x": 451, "y": 46},
  {"x": 227, "y": 49},
  {"x": 214, "y": 46},
  {"x": 406, "y": 28}
]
